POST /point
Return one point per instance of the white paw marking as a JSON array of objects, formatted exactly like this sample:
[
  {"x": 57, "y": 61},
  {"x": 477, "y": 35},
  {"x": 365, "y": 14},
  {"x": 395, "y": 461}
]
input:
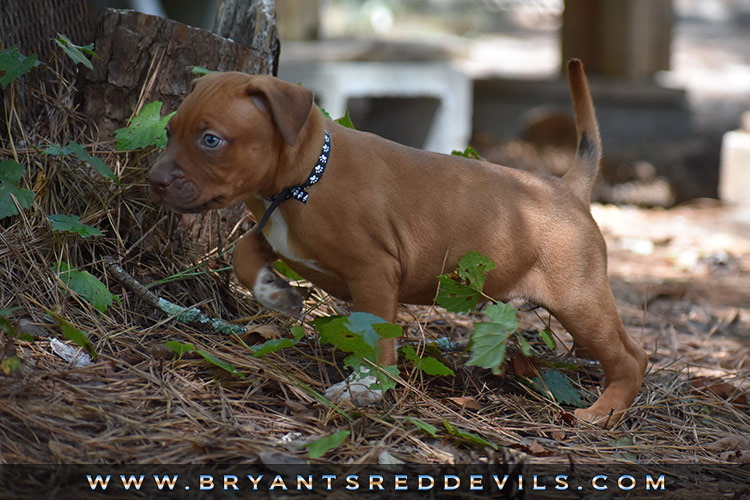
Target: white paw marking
[
  {"x": 275, "y": 293},
  {"x": 356, "y": 389}
]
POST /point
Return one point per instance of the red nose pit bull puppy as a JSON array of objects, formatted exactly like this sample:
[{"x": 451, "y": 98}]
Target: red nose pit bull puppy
[{"x": 374, "y": 222}]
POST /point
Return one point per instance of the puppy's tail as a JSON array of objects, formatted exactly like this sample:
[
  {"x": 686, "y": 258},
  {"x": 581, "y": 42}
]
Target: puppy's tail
[{"x": 582, "y": 174}]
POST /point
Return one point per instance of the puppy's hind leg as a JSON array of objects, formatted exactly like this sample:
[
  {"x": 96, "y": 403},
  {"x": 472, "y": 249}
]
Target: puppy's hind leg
[
  {"x": 252, "y": 262},
  {"x": 588, "y": 312}
]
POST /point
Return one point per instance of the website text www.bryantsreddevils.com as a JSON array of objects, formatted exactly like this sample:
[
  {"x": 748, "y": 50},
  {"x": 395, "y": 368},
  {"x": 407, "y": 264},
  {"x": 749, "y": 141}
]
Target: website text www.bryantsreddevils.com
[{"x": 375, "y": 482}]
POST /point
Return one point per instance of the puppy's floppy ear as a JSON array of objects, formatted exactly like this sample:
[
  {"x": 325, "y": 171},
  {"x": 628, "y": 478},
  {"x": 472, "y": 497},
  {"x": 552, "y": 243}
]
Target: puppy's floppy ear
[{"x": 289, "y": 105}]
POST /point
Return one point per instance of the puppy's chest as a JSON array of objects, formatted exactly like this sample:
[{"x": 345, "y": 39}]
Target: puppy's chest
[{"x": 277, "y": 235}]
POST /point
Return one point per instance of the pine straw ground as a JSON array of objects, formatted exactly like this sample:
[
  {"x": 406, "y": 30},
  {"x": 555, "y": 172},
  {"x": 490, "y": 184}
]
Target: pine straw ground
[{"x": 139, "y": 403}]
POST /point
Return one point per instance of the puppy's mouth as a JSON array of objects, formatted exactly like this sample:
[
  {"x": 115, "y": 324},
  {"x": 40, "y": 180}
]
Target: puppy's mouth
[{"x": 216, "y": 202}]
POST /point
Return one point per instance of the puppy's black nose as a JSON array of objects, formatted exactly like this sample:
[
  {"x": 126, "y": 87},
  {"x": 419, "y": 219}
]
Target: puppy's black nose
[{"x": 159, "y": 181}]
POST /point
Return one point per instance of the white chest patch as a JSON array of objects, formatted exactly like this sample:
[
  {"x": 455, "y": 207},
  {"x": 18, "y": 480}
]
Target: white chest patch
[{"x": 277, "y": 235}]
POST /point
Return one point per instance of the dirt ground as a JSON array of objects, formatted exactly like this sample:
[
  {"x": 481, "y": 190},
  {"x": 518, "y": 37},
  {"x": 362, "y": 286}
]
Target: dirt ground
[{"x": 682, "y": 281}]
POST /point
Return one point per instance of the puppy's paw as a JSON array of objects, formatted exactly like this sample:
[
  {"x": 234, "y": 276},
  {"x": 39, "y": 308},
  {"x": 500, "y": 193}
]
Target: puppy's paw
[
  {"x": 599, "y": 419},
  {"x": 275, "y": 293},
  {"x": 355, "y": 389}
]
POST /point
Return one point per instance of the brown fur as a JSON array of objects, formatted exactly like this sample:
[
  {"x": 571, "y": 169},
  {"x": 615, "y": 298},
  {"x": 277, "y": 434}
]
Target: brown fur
[{"x": 385, "y": 220}]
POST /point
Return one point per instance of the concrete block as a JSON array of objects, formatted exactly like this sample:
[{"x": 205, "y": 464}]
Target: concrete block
[
  {"x": 424, "y": 105},
  {"x": 734, "y": 174}
]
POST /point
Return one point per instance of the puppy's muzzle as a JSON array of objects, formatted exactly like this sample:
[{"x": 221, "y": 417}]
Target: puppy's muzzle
[{"x": 170, "y": 187}]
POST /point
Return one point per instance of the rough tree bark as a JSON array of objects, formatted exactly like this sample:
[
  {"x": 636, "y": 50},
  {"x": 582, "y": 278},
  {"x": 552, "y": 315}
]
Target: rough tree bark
[
  {"x": 144, "y": 58},
  {"x": 252, "y": 24}
]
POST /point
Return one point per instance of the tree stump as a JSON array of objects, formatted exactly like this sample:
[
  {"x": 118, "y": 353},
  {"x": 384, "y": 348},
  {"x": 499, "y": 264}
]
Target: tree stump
[
  {"x": 252, "y": 24},
  {"x": 145, "y": 58}
]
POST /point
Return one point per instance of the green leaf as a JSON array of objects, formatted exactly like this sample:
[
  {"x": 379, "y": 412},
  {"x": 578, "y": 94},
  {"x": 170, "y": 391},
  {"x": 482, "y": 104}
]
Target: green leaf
[
  {"x": 228, "y": 367},
  {"x": 200, "y": 71},
  {"x": 502, "y": 315},
  {"x": 8, "y": 311},
  {"x": 13, "y": 64},
  {"x": 183, "y": 347},
  {"x": 10, "y": 179},
  {"x": 287, "y": 271},
  {"x": 96, "y": 163},
  {"x": 357, "y": 334},
  {"x": 469, "y": 152},
  {"x": 423, "y": 426},
  {"x": 460, "y": 291},
  {"x": 455, "y": 297},
  {"x": 7, "y": 327},
  {"x": 78, "y": 53},
  {"x": 387, "y": 330},
  {"x": 86, "y": 285},
  {"x": 623, "y": 442},
  {"x": 432, "y": 366},
  {"x": 79, "y": 337},
  {"x": 474, "y": 267},
  {"x": 468, "y": 436},
  {"x": 180, "y": 347},
  {"x": 384, "y": 382},
  {"x": 146, "y": 129},
  {"x": 272, "y": 345},
  {"x": 57, "y": 150},
  {"x": 363, "y": 325},
  {"x": 354, "y": 362},
  {"x": 10, "y": 329},
  {"x": 321, "y": 446},
  {"x": 79, "y": 152},
  {"x": 488, "y": 341},
  {"x": 72, "y": 224},
  {"x": 297, "y": 332},
  {"x": 427, "y": 364},
  {"x": 335, "y": 331},
  {"x": 559, "y": 386},
  {"x": 346, "y": 121},
  {"x": 10, "y": 365},
  {"x": 548, "y": 339},
  {"x": 525, "y": 347},
  {"x": 627, "y": 448}
]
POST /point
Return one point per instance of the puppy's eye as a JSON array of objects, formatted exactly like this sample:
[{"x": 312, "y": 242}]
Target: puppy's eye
[{"x": 210, "y": 141}]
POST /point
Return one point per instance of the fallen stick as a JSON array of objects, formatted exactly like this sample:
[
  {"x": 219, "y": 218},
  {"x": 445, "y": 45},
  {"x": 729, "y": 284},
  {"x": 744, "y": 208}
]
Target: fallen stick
[{"x": 191, "y": 316}]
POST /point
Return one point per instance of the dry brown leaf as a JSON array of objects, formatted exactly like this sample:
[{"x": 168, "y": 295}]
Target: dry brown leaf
[
  {"x": 739, "y": 457},
  {"x": 558, "y": 435},
  {"x": 732, "y": 442},
  {"x": 721, "y": 389},
  {"x": 257, "y": 334},
  {"x": 523, "y": 366},
  {"x": 296, "y": 407},
  {"x": 567, "y": 417},
  {"x": 466, "y": 402},
  {"x": 61, "y": 450},
  {"x": 537, "y": 449},
  {"x": 268, "y": 332}
]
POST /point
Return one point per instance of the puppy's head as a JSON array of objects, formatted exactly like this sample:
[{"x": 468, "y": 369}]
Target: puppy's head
[{"x": 224, "y": 140}]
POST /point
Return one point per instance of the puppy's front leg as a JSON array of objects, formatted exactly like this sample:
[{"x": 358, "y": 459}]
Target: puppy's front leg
[
  {"x": 379, "y": 297},
  {"x": 253, "y": 258}
]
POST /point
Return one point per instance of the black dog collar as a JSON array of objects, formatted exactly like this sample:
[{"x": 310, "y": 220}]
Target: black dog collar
[{"x": 298, "y": 192}]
